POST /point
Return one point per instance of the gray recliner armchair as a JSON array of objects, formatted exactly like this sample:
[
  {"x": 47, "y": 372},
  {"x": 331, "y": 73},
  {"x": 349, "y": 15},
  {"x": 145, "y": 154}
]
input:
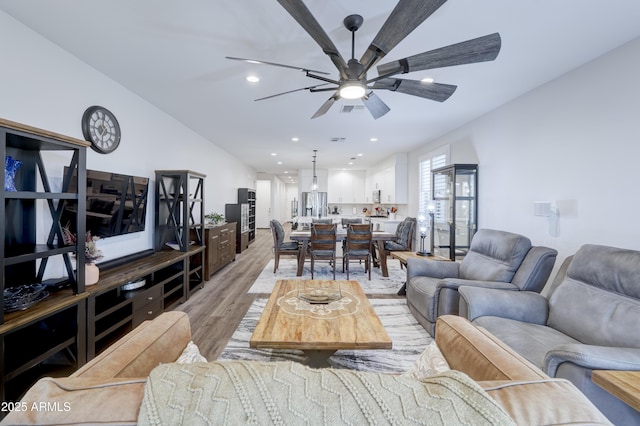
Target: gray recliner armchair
[
  {"x": 496, "y": 259},
  {"x": 589, "y": 321}
]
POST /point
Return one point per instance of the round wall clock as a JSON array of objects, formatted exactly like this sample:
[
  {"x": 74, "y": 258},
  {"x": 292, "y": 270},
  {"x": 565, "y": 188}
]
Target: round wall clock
[{"x": 100, "y": 127}]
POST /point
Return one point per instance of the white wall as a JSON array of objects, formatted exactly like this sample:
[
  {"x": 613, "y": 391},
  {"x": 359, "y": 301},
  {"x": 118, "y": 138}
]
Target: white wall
[
  {"x": 575, "y": 142},
  {"x": 43, "y": 86}
]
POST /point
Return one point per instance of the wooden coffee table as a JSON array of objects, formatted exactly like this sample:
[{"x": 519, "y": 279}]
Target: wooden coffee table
[{"x": 319, "y": 329}]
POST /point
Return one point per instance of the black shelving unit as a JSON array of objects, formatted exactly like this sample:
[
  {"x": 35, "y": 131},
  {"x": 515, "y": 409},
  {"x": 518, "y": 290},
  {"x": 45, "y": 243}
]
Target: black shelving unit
[
  {"x": 455, "y": 195},
  {"x": 179, "y": 209},
  {"x": 248, "y": 196},
  {"x": 33, "y": 340},
  {"x": 239, "y": 213}
]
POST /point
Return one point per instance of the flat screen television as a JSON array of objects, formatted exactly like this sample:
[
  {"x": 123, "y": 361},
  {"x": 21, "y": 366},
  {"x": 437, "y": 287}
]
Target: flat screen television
[{"x": 116, "y": 204}]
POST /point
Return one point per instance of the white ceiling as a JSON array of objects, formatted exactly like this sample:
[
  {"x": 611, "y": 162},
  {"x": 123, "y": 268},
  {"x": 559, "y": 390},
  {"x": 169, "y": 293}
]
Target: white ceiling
[{"x": 172, "y": 53}]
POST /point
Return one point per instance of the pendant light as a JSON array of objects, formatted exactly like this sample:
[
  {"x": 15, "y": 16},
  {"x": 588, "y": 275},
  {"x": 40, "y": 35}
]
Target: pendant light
[{"x": 314, "y": 182}]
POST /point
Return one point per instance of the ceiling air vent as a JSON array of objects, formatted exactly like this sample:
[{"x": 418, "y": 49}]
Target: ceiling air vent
[
  {"x": 346, "y": 109},
  {"x": 337, "y": 139}
]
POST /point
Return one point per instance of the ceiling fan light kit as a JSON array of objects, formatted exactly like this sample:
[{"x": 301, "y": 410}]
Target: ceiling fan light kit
[
  {"x": 352, "y": 89},
  {"x": 352, "y": 81}
]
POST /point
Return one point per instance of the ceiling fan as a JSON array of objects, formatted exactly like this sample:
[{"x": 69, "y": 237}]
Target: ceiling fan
[{"x": 352, "y": 82}]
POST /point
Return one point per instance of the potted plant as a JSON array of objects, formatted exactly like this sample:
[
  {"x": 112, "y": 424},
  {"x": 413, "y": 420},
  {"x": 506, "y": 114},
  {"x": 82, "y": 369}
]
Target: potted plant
[{"x": 214, "y": 218}]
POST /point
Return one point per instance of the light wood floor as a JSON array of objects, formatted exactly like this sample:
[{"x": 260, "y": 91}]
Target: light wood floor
[{"x": 216, "y": 310}]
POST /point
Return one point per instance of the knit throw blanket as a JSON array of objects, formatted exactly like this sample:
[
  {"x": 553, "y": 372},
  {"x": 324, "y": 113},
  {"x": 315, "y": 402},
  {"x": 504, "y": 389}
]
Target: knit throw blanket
[{"x": 288, "y": 393}]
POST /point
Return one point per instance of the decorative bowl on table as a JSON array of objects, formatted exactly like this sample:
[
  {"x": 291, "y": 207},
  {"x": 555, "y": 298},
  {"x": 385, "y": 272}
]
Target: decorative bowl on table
[{"x": 319, "y": 292}]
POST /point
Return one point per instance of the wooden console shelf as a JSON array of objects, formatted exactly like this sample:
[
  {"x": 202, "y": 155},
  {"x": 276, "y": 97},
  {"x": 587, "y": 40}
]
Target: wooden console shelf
[
  {"x": 170, "y": 276},
  {"x": 53, "y": 326}
]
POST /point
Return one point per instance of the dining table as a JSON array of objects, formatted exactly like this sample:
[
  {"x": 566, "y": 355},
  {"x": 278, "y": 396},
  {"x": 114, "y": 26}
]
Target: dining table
[{"x": 378, "y": 238}]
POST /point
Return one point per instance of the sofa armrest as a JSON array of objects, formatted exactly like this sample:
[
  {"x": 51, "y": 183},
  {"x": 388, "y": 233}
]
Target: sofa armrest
[
  {"x": 431, "y": 268},
  {"x": 592, "y": 357},
  {"x": 160, "y": 340},
  {"x": 455, "y": 283},
  {"x": 545, "y": 402},
  {"x": 517, "y": 305},
  {"x": 80, "y": 401},
  {"x": 479, "y": 354}
]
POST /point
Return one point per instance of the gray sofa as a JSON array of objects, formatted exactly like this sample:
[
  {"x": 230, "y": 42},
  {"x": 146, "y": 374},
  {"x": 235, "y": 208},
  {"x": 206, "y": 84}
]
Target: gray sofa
[
  {"x": 590, "y": 321},
  {"x": 496, "y": 259}
]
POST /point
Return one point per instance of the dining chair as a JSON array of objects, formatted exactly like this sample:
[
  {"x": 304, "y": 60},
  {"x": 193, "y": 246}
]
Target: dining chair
[
  {"x": 358, "y": 247},
  {"x": 405, "y": 234},
  {"x": 323, "y": 245},
  {"x": 281, "y": 247},
  {"x": 347, "y": 221},
  {"x": 345, "y": 224},
  {"x": 323, "y": 221}
]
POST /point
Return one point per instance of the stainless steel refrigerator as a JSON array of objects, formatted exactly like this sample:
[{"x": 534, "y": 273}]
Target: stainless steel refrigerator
[{"x": 314, "y": 208}]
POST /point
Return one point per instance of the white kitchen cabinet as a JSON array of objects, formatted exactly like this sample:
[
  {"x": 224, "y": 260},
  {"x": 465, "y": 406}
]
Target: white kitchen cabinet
[
  {"x": 346, "y": 186},
  {"x": 391, "y": 178}
]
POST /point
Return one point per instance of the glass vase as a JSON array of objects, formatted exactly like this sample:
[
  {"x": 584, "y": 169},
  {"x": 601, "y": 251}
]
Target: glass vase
[{"x": 11, "y": 166}]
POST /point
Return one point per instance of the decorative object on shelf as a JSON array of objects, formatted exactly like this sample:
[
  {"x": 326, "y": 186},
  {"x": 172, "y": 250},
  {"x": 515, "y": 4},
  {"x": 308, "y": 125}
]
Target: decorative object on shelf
[
  {"x": 214, "y": 218},
  {"x": 392, "y": 213},
  {"x": 91, "y": 251},
  {"x": 22, "y": 297},
  {"x": 11, "y": 166},
  {"x": 133, "y": 285},
  {"x": 91, "y": 273},
  {"x": 100, "y": 127},
  {"x": 91, "y": 254}
]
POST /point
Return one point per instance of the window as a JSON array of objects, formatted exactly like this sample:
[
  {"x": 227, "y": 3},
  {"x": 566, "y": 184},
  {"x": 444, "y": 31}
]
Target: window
[{"x": 432, "y": 160}]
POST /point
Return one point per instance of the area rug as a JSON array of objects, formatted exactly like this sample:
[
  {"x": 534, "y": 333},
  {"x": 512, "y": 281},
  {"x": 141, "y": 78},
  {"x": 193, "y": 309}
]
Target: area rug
[
  {"x": 409, "y": 341},
  {"x": 288, "y": 267}
]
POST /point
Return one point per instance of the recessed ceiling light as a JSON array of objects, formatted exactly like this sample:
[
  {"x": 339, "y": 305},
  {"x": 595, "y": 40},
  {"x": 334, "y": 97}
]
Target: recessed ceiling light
[
  {"x": 253, "y": 78},
  {"x": 286, "y": 172},
  {"x": 350, "y": 163},
  {"x": 279, "y": 162},
  {"x": 273, "y": 154},
  {"x": 360, "y": 154},
  {"x": 374, "y": 139},
  {"x": 295, "y": 139},
  {"x": 427, "y": 80}
]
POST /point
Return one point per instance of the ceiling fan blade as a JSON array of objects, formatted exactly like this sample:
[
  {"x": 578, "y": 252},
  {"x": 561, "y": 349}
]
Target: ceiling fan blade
[
  {"x": 303, "y": 16},
  {"x": 291, "y": 91},
  {"x": 405, "y": 17},
  {"x": 435, "y": 91},
  {"x": 255, "y": 61},
  {"x": 479, "y": 49},
  {"x": 375, "y": 105},
  {"x": 325, "y": 106}
]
